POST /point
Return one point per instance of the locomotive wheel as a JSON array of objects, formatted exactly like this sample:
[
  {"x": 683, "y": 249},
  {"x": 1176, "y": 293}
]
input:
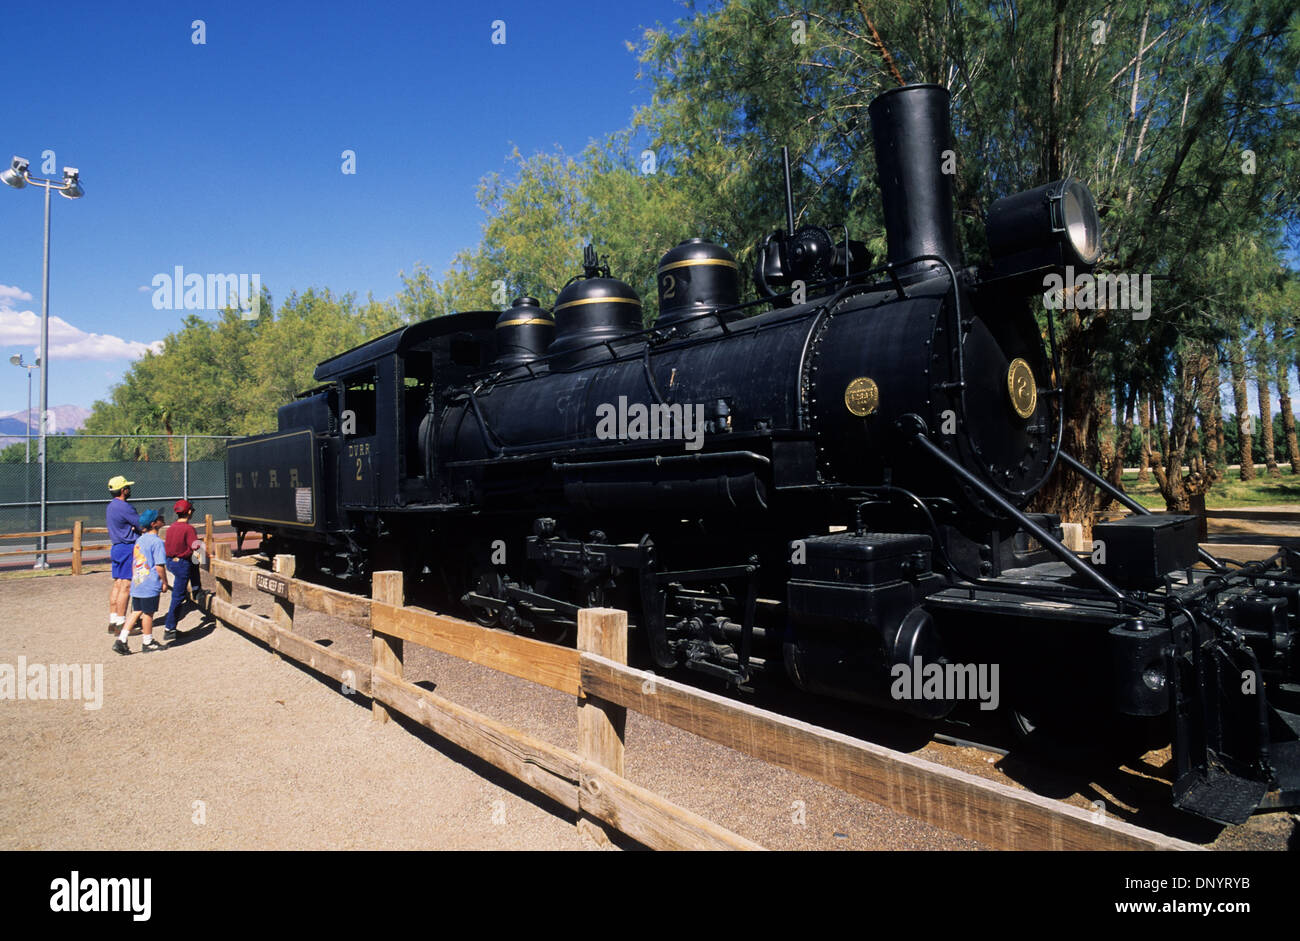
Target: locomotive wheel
[
  {"x": 489, "y": 585},
  {"x": 551, "y": 632}
]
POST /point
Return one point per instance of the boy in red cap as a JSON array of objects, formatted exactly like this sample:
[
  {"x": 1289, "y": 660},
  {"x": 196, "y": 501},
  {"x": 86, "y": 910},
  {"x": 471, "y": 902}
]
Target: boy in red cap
[{"x": 180, "y": 543}]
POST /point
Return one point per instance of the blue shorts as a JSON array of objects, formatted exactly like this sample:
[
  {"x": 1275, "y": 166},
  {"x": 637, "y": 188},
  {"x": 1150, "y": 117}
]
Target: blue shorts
[
  {"x": 121, "y": 556},
  {"x": 145, "y": 605}
]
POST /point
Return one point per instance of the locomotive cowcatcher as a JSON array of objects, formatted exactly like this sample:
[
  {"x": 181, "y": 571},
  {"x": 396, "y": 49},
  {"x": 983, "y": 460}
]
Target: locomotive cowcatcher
[{"x": 832, "y": 479}]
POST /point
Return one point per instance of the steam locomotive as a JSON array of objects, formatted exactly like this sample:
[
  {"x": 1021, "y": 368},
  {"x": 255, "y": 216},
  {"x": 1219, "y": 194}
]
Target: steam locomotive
[{"x": 832, "y": 479}]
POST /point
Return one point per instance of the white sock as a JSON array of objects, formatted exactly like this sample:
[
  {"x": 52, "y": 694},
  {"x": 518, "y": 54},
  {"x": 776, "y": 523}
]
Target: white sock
[
  {"x": 122, "y": 636},
  {"x": 149, "y": 640},
  {"x": 116, "y": 618}
]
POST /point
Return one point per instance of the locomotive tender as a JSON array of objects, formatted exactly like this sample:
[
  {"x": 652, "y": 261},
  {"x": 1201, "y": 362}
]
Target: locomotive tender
[{"x": 836, "y": 484}]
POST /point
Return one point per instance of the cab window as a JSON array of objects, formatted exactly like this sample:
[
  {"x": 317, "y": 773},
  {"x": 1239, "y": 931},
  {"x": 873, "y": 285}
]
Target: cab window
[{"x": 357, "y": 414}]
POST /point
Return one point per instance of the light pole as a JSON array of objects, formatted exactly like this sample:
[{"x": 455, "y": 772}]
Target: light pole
[
  {"x": 17, "y": 360},
  {"x": 18, "y": 176}
]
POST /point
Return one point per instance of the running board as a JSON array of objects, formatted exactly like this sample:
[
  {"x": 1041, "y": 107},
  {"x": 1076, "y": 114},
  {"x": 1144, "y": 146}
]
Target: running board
[{"x": 1219, "y": 795}]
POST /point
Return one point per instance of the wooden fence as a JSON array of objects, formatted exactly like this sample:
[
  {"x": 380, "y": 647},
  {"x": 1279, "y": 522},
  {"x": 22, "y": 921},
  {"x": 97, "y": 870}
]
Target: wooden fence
[
  {"x": 78, "y": 546},
  {"x": 592, "y": 781}
]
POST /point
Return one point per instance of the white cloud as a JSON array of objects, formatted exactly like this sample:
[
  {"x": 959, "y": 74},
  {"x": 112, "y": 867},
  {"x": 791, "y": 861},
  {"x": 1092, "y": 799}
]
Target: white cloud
[
  {"x": 8, "y": 293},
  {"x": 23, "y": 328}
]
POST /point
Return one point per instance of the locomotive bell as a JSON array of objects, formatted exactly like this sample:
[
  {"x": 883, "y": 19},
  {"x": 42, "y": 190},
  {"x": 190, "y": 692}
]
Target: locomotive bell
[
  {"x": 696, "y": 277},
  {"x": 523, "y": 332},
  {"x": 591, "y": 309}
]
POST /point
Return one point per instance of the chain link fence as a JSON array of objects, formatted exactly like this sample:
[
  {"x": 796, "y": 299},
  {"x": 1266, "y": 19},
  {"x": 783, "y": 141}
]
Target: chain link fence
[{"x": 164, "y": 468}]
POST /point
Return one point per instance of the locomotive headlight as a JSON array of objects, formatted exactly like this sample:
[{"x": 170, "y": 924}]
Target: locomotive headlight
[
  {"x": 1044, "y": 229},
  {"x": 1074, "y": 213}
]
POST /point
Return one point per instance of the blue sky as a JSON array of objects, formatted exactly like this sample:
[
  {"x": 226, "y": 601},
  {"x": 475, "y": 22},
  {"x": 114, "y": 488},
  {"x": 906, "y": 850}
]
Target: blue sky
[{"x": 227, "y": 156}]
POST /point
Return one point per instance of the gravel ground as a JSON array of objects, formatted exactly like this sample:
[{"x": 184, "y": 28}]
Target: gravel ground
[
  {"x": 161, "y": 744},
  {"x": 217, "y": 744}
]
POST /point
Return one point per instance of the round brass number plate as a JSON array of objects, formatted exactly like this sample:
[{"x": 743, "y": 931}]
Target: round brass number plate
[
  {"x": 861, "y": 397},
  {"x": 1022, "y": 388}
]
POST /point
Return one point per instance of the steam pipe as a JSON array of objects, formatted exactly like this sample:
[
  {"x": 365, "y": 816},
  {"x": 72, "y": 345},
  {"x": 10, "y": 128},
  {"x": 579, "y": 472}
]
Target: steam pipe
[{"x": 789, "y": 193}]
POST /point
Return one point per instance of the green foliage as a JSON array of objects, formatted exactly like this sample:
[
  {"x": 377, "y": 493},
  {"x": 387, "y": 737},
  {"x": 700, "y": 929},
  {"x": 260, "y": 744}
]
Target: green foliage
[
  {"x": 58, "y": 446},
  {"x": 532, "y": 240},
  {"x": 229, "y": 375},
  {"x": 283, "y": 351}
]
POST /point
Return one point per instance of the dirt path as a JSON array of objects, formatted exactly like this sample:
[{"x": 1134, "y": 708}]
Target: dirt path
[{"x": 216, "y": 744}]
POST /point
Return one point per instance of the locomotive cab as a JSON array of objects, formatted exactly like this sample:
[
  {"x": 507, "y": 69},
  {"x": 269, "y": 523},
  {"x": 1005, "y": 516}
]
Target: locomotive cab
[{"x": 385, "y": 389}]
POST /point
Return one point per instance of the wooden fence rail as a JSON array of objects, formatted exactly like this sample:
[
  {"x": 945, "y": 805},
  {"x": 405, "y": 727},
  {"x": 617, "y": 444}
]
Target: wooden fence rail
[
  {"x": 579, "y": 781},
  {"x": 592, "y": 781},
  {"x": 988, "y": 812},
  {"x": 76, "y": 549}
]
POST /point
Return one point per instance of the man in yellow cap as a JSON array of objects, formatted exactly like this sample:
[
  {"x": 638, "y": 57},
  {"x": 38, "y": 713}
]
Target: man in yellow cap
[{"x": 123, "y": 530}]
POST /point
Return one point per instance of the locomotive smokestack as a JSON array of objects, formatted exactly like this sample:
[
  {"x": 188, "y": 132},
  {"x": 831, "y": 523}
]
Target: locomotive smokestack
[{"x": 911, "y": 129}]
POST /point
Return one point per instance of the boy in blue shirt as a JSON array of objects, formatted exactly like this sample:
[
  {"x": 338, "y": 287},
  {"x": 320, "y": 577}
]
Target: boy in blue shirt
[{"x": 148, "y": 581}]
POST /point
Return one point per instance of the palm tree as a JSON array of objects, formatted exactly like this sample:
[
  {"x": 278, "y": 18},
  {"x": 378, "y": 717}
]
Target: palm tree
[{"x": 1237, "y": 365}]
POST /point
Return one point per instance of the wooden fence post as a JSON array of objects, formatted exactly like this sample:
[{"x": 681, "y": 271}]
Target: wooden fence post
[
  {"x": 224, "y": 587},
  {"x": 282, "y": 610},
  {"x": 76, "y": 546},
  {"x": 386, "y": 651},
  {"x": 601, "y": 724},
  {"x": 207, "y": 541}
]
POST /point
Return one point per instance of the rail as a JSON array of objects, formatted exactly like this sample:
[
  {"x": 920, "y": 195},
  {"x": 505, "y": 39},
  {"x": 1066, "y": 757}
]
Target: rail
[{"x": 592, "y": 781}]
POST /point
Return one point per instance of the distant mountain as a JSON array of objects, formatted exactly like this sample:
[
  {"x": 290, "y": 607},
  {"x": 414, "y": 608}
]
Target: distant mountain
[{"x": 67, "y": 419}]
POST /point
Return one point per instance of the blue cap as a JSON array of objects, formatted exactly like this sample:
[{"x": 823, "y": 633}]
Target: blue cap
[{"x": 147, "y": 518}]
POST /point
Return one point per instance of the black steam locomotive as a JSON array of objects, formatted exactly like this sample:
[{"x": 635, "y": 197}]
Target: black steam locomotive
[{"x": 835, "y": 484}]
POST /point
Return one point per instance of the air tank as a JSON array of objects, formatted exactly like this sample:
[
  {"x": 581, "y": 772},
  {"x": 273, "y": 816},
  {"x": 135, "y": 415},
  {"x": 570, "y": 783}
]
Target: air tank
[
  {"x": 523, "y": 332},
  {"x": 696, "y": 277},
  {"x": 589, "y": 310}
]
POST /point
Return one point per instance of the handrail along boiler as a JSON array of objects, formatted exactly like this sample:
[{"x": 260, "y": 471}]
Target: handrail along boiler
[{"x": 836, "y": 486}]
